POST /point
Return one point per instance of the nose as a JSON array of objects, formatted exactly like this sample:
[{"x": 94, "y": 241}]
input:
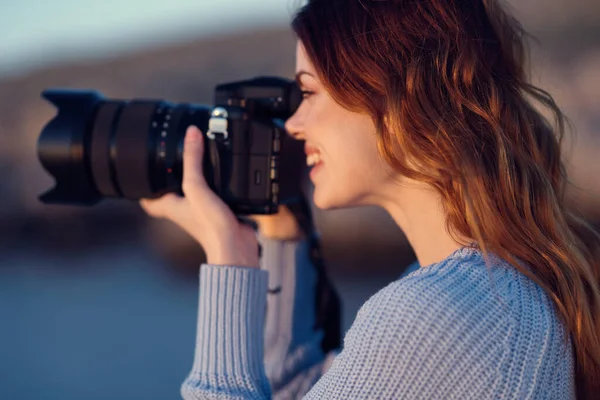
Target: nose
[{"x": 294, "y": 127}]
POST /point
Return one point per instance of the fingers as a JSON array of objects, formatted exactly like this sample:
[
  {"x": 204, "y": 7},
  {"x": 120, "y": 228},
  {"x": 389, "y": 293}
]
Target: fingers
[
  {"x": 173, "y": 208},
  {"x": 200, "y": 212},
  {"x": 193, "y": 181},
  {"x": 281, "y": 226},
  {"x": 282, "y": 212},
  {"x": 162, "y": 207}
]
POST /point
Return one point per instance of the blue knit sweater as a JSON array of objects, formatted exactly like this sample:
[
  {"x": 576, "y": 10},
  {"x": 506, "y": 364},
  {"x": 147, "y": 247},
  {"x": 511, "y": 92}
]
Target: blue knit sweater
[{"x": 452, "y": 330}]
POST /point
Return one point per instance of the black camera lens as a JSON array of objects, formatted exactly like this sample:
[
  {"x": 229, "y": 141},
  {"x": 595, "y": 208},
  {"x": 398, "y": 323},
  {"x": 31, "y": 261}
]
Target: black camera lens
[
  {"x": 96, "y": 147},
  {"x": 99, "y": 148}
]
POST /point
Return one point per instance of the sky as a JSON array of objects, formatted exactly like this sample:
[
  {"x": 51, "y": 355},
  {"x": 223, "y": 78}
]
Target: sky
[{"x": 34, "y": 33}]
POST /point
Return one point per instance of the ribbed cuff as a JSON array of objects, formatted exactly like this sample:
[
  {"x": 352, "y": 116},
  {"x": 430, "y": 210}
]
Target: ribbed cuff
[{"x": 231, "y": 315}]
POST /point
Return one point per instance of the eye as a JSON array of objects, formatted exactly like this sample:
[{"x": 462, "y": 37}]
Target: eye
[{"x": 306, "y": 93}]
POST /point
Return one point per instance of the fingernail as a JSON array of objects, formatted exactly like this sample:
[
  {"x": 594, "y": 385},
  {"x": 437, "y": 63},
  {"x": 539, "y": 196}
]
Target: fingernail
[{"x": 193, "y": 132}]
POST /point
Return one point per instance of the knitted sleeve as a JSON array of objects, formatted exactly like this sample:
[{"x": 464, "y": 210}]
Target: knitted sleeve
[
  {"x": 228, "y": 362},
  {"x": 255, "y": 336},
  {"x": 294, "y": 359}
]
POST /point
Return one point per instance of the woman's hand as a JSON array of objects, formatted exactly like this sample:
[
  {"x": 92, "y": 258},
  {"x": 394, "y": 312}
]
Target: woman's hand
[
  {"x": 203, "y": 215},
  {"x": 280, "y": 226}
]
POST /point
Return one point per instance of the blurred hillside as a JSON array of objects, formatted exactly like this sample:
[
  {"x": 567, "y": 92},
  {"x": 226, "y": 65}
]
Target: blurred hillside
[{"x": 566, "y": 63}]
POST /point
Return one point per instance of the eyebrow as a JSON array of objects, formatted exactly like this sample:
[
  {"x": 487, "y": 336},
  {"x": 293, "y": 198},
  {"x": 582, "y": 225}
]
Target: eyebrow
[{"x": 300, "y": 73}]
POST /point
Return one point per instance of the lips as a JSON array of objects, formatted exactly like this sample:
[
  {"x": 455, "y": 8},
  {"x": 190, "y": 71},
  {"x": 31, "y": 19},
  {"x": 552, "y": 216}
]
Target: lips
[{"x": 310, "y": 149}]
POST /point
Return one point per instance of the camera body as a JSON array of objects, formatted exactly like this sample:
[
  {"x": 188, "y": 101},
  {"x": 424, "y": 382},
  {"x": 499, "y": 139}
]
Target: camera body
[{"x": 97, "y": 148}]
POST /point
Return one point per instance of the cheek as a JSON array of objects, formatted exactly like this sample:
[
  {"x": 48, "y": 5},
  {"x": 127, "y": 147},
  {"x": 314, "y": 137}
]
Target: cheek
[
  {"x": 352, "y": 178},
  {"x": 357, "y": 148},
  {"x": 353, "y": 168},
  {"x": 356, "y": 165},
  {"x": 363, "y": 168}
]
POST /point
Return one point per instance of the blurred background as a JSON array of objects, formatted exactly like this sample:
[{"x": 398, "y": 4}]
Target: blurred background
[{"x": 100, "y": 302}]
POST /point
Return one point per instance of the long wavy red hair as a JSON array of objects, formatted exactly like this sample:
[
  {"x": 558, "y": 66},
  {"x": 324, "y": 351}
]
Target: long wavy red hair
[{"x": 446, "y": 84}]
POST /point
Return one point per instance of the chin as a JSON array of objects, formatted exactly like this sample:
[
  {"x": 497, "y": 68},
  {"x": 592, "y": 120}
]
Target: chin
[
  {"x": 328, "y": 200},
  {"x": 321, "y": 200}
]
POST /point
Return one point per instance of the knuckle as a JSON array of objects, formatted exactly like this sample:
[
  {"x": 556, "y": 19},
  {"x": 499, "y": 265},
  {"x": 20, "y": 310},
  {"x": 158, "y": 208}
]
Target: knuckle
[
  {"x": 186, "y": 187},
  {"x": 191, "y": 186},
  {"x": 188, "y": 152}
]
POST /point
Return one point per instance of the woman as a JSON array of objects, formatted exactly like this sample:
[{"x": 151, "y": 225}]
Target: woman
[{"x": 422, "y": 108}]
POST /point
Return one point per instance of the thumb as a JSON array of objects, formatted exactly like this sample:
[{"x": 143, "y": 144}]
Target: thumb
[{"x": 193, "y": 180}]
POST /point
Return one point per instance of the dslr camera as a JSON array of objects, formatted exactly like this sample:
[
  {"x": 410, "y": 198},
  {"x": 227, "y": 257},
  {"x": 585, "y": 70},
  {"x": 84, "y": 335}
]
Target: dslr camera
[{"x": 98, "y": 148}]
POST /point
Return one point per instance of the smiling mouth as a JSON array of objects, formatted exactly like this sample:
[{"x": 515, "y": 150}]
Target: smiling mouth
[{"x": 313, "y": 159}]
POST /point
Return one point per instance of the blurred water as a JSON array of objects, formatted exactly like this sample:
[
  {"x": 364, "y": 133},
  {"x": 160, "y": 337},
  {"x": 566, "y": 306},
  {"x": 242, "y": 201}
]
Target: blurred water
[
  {"x": 113, "y": 324},
  {"x": 110, "y": 325}
]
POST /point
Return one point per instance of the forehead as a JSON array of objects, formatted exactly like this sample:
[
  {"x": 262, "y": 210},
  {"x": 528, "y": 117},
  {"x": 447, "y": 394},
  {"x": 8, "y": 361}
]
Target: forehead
[{"x": 302, "y": 61}]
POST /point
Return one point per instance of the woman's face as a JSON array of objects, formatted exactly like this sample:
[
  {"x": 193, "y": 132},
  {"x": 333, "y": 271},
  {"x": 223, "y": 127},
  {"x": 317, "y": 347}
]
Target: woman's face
[{"x": 350, "y": 171}]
